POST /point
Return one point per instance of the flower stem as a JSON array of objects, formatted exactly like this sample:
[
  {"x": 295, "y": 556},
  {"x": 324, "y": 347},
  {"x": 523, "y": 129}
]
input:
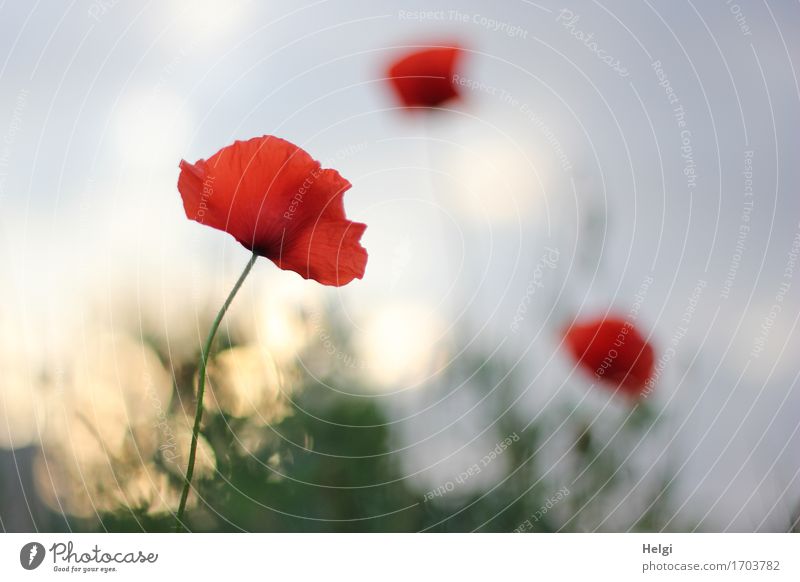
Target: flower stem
[{"x": 198, "y": 415}]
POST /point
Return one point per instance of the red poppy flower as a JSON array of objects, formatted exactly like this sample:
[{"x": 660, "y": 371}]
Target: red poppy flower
[
  {"x": 277, "y": 201},
  {"x": 614, "y": 351},
  {"x": 424, "y": 78}
]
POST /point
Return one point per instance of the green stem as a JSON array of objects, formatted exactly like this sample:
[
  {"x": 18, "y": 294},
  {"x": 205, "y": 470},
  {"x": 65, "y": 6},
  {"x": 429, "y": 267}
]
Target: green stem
[{"x": 198, "y": 415}]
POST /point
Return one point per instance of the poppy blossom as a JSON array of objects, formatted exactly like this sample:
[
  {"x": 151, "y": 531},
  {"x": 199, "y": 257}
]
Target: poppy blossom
[
  {"x": 424, "y": 78},
  {"x": 614, "y": 351},
  {"x": 277, "y": 201}
]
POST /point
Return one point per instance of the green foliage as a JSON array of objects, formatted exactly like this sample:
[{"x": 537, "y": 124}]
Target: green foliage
[{"x": 330, "y": 466}]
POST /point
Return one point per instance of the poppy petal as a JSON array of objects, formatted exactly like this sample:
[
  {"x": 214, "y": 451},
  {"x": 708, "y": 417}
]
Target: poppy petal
[
  {"x": 328, "y": 252},
  {"x": 267, "y": 192},
  {"x": 613, "y": 351},
  {"x": 424, "y": 78}
]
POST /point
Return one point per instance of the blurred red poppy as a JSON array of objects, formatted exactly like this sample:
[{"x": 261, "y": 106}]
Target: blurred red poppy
[
  {"x": 424, "y": 78},
  {"x": 614, "y": 352},
  {"x": 277, "y": 201}
]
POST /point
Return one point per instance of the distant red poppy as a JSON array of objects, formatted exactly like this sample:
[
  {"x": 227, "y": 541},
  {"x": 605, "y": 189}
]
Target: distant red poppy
[
  {"x": 424, "y": 78},
  {"x": 614, "y": 352},
  {"x": 277, "y": 201}
]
